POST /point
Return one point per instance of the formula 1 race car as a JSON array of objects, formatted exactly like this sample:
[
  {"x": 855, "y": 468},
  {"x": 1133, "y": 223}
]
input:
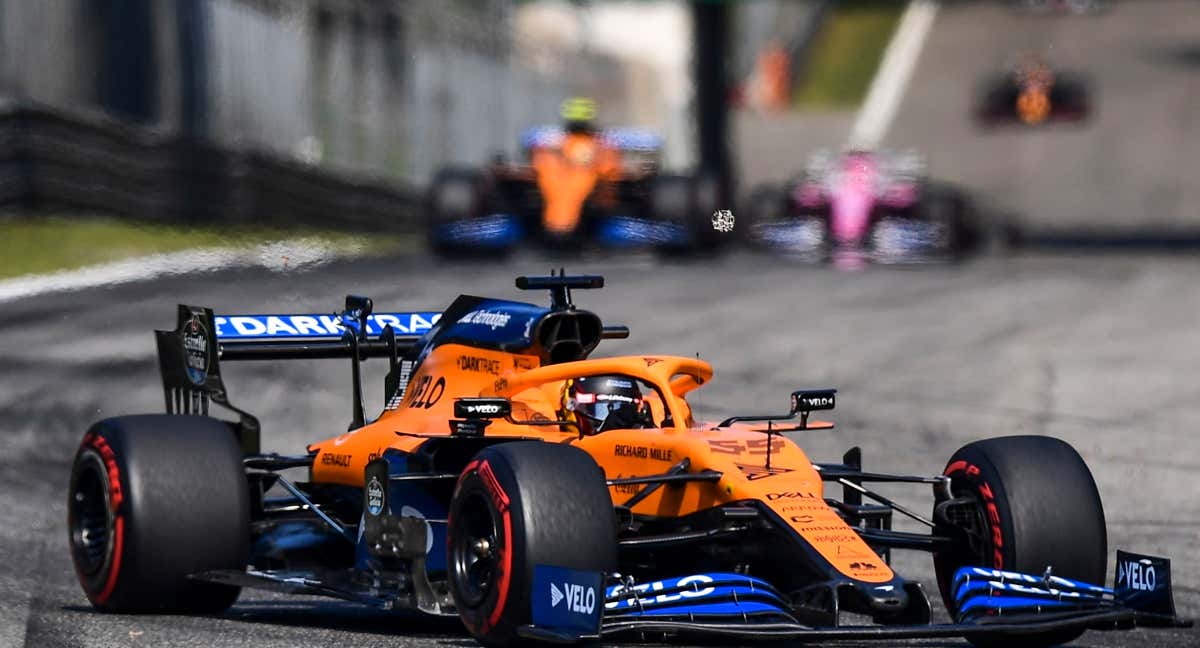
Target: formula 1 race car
[
  {"x": 571, "y": 190},
  {"x": 862, "y": 205},
  {"x": 542, "y": 496},
  {"x": 1032, "y": 93}
]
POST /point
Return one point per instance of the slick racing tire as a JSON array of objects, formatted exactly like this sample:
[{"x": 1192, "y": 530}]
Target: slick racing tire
[
  {"x": 455, "y": 195},
  {"x": 518, "y": 505},
  {"x": 949, "y": 208},
  {"x": 766, "y": 204},
  {"x": 688, "y": 202},
  {"x": 1035, "y": 506},
  {"x": 153, "y": 499}
]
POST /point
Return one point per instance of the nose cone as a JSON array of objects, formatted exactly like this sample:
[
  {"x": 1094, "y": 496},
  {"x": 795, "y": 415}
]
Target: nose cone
[{"x": 851, "y": 216}]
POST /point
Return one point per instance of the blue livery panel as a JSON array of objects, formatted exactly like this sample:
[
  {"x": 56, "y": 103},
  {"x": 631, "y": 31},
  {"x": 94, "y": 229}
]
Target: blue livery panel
[
  {"x": 567, "y": 599},
  {"x": 715, "y": 594},
  {"x": 284, "y": 327}
]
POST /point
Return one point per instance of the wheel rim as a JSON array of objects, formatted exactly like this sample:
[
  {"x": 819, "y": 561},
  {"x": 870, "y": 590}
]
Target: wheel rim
[
  {"x": 972, "y": 519},
  {"x": 90, "y": 517},
  {"x": 474, "y": 555}
]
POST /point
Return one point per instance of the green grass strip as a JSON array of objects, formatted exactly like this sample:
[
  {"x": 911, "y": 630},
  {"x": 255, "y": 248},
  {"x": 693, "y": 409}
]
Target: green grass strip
[
  {"x": 846, "y": 53},
  {"x": 37, "y": 244}
]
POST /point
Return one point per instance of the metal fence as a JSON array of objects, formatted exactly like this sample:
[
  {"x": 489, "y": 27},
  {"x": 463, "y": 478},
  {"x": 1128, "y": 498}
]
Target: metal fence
[{"x": 51, "y": 159}]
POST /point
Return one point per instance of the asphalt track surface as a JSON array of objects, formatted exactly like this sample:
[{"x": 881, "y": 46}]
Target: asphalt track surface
[
  {"x": 1091, "y": 349},
  {"x": 1129, "y": 172},
  {"x": 1098, "y": 350}
]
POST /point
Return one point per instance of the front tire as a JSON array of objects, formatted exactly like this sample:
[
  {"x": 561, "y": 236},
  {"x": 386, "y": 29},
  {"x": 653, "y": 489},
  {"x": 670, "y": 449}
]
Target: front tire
[
  {"x": 153, "y": 499},
  {"x": 518, "y": 505},
  {"x": 1038, "y": 507}
]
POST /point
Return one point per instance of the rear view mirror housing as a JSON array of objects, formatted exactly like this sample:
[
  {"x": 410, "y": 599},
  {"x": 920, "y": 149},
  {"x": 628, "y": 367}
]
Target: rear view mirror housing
[
  {"x": 812, "y": 400},
  {"x": 476, "y": 409}
]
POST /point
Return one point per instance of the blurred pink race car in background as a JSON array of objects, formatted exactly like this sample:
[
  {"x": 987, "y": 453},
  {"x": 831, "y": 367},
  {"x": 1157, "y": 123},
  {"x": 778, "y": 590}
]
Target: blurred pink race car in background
[{"x": 861, "y": 206}]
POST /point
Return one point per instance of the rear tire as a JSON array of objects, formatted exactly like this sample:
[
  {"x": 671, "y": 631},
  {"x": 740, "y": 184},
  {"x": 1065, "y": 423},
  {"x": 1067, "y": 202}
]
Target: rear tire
[
  {"x": 455, "y": 195},
  {"x": 527, "y": 503},
  {"x": 952, "y": 210},
  {"x": 689, "y": 202},
  {"x": 153, "y": 499},
  {"x": 1038, "y": 507}
]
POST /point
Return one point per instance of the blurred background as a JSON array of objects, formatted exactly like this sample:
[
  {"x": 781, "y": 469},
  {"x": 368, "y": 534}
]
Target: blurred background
[{"x": 976, "y": 217}]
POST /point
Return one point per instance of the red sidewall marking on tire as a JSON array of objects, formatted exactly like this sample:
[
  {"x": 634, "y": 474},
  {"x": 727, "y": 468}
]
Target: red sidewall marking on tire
[
  {"x": 118, "y": 541},
  {"x": 504, "y": 578},
  {"x": 115, "y": 497},
  {"x": 989, "y": 503}
]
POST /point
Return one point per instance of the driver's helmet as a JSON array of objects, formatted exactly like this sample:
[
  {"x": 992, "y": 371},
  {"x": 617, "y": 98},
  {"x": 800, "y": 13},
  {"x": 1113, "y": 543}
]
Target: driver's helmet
[
  {"x": 609, "y": 402},
  {"x": 579, "y": 115}
]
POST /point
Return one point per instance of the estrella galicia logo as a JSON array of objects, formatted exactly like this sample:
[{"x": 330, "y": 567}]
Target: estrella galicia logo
[
  {"x": 374, "y": 496},
  {"x": 195, "y": 350}
]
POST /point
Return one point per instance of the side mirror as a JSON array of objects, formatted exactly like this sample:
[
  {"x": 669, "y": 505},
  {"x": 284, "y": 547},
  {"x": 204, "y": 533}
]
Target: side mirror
[
  {"x": 811, "y": 400},
  {"x": 475, "y": 409}
]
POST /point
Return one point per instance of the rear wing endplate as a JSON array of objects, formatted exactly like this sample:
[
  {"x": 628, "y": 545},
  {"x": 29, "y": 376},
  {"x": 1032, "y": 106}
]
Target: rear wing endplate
[{"x": 190, "y": 356}]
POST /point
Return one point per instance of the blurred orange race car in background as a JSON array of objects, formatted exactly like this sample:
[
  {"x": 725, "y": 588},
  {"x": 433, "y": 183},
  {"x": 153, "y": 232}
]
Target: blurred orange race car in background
[
  {"x": 1031, "y": 92},
  {"x": 577, "y": 185}
]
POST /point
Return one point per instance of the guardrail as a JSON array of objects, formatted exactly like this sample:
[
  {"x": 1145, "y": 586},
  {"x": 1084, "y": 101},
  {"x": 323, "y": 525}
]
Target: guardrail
[{"x": 53, "y": 159}]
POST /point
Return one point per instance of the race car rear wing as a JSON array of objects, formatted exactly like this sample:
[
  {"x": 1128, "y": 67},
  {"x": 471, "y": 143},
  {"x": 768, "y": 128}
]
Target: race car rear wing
[{"x": 190, "y": 356}]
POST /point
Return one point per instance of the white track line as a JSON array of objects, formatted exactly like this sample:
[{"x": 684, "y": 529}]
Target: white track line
[
  {"x": 280, "y": 256},
  {"x": 887, "y": 88}
]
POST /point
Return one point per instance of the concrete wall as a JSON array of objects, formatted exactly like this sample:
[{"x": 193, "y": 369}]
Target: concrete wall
[{"x": 388, "y": 88}]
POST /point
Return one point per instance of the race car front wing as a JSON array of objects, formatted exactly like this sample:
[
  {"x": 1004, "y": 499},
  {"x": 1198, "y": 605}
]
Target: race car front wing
[{"x": 730, "y": 606}]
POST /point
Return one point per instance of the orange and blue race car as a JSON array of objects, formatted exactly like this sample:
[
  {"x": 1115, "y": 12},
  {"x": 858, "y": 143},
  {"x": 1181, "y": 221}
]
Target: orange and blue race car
[
  {"x": 540, "y": 495},
  {"x": 577, "y": 185}
]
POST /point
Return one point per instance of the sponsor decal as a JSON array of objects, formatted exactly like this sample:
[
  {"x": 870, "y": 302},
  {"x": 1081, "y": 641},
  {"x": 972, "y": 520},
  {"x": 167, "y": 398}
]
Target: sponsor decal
[
  {"x": 832, "y": 538},
  {"x": 500, "y": 385},
  {"x": 195, "y": 350},
  {"x": 483, "y": 409},
  {"x": 335, "y": 459},
  {"x": 885, "y": 588},
  {"x": 374, "y": 496},
  {"x": 567, "y": 599},
  {"x": 427, "y": 392},
  {"x": 643, "y": 452},
  {"x": 579, "y": 598},
  {"x": 804, "y": 402},
  {"x": 650, "y": 362},
  {"x": 524, "y": 363},
  {"x": 479, "y": 364},
  {"x": 789, "y": 495},
  {"x": 1138, "y": 575},
  {"x": 628, "y": 489},
  {"x": 691, "y": 587},
  {"x": 863, "y": 566},
  {"x": 284, "y": 326},
  {"x": 490, "y": 319},
  {"x": 801, "y": 519},
  {"x": 825, "y": 528}
]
